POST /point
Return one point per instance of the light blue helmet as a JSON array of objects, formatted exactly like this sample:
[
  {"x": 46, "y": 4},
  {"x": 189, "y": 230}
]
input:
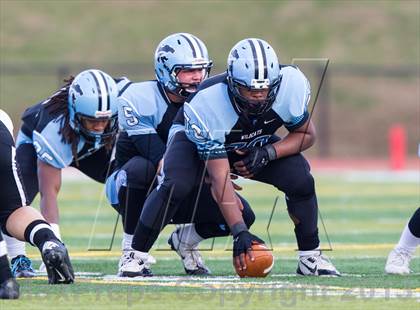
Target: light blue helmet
[
  {"x": 93, "y": 96},
  {"x": 253, "y": 64},
  {"x": 180, "y": 51}
]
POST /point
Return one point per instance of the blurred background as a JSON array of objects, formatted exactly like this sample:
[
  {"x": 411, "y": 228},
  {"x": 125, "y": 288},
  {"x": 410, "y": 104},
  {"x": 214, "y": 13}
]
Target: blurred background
[{"x": 371, "y": 84}]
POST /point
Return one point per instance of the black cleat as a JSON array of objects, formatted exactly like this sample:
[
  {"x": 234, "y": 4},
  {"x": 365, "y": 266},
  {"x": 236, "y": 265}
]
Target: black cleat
[
  {"x": 57, "y": 262},
  {"x": 9, "y": 289}
]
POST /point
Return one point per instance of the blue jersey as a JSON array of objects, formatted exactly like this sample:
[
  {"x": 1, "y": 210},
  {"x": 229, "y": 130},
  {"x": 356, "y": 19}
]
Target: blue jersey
[
  {"x": 215, "y": 125},
  {"x": 145, "y": 116},
  {"x": 42, "y": 129}
]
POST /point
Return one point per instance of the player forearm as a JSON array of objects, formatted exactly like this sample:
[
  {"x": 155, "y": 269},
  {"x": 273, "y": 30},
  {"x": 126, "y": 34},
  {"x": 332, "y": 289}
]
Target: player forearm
[
  {"x": 49, "y": 208},
  {"x": 293, "y": 143},
  {"x": 49, "y": 179},
  {"x": 296, "y": 141},
  {"x": 224, "y": 192}
]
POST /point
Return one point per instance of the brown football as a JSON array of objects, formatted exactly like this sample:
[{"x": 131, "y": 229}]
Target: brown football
[{"x": 261, "y": 266}]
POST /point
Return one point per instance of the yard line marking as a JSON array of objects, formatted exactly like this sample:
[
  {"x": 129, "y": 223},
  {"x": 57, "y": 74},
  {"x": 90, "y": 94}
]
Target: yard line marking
[{"x": 286, "y": 248}]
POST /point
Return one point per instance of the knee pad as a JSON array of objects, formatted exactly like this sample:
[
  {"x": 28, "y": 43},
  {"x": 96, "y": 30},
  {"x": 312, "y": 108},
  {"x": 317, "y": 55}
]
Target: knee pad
[
  {"x": 140, "y": 172},
  {"x": 301, "y": 189}
]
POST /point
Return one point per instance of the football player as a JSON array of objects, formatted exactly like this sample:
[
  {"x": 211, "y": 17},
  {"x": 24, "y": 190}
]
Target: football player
[
  {"x": 231, "y": 123},
  {"x": 146, "y": 112},
  {"x": 75, "y": 127},
  {"x": 19, "y": 220},
  {"x": 399, "y": 258}
]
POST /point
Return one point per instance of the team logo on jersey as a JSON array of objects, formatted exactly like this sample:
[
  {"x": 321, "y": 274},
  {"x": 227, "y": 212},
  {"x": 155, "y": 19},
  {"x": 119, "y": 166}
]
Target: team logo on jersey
[{"x": 251, "y": 135}]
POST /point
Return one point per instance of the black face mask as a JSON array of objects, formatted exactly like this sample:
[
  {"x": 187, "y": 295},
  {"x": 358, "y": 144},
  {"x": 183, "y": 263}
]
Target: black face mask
[
  {"x": 109, "y": 131},
  {"x": 253, "y": 108}
]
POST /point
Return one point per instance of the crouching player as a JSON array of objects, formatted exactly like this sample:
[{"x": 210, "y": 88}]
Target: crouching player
[
  {"x": 21, "y": 221},
  {"x": 76, "y": 126},
  {"x": 146, "y": 112},
  {"x": 231, "y": 123}
]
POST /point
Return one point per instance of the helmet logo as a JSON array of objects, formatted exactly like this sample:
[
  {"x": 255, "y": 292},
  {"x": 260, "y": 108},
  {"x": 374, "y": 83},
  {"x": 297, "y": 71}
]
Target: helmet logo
[
  {"x": 162, "y": 50},
  {"x": 235, "y": 54},
  {"x": 77, "y": 89}
]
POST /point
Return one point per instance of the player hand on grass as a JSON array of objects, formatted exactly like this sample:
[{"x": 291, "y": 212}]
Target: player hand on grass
[
  {"x": 242, "y": 243},
  {"x": 255, "y": 160}
]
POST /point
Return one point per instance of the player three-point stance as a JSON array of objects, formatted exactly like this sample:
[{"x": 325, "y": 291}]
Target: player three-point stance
[
  {"x": 146, "y": 112},
  {"x": 21, "y": 221},
  {"x": 230, "y": 125},
  {"x": 399, "y": 258},
  {"x": 75, "y": 127}
]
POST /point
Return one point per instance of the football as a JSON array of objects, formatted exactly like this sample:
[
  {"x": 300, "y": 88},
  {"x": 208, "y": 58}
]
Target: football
[{"x": 261, "y": 266}]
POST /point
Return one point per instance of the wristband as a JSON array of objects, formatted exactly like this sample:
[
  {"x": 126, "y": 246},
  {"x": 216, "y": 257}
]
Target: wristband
[
  {"x": 238, "y": 228},
  {"x": 271, "y": 151}
]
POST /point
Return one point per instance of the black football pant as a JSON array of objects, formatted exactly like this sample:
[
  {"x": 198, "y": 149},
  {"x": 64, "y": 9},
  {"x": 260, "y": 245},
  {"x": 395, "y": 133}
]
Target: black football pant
[
  {"x": 182, "y": 197},
  {"x": 414, "y": 223},
  {"x": 183, "y": 172}
]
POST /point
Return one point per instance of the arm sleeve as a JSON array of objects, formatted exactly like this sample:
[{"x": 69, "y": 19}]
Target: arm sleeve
[
  {"x": 298, "y": 99},
  {"x": 210, "y": 143}
]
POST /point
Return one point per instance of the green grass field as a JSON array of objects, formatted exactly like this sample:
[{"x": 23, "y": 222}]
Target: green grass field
[{"x": 363, "y": 219}]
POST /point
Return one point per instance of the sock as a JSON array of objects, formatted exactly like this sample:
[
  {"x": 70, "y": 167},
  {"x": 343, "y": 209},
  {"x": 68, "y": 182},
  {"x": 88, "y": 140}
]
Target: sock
[
  {"x": 15, "y": 247},
  {"x": 56, "y": 229},
  {"x": 408, "y": 241},
  {"x": 188, "y": 234},
  {"x": 5, "y": 272},
  {"x": 38, "y": 233},
  {"x": 313, "y": 252},
  {"x": 126, "y": 242}
]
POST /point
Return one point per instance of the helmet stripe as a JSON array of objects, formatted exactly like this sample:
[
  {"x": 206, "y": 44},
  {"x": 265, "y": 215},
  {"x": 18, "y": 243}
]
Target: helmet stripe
[
  {"x": 193, "y": 44},
  {"x": 102, "y": 92},
  {"x": 264, "y": 58},
  {"x": 199, "y": 45},
  {"x": 108, "y": 107},
  {"x": 258, "y": 59}
]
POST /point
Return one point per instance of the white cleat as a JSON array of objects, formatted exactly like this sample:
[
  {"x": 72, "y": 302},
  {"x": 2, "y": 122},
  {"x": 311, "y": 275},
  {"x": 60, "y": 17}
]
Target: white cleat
[
  {"x": 398, "y": 261},
  {"x": 191, "y": 258},
  {"x": 316, "y": 265},
  {"x": 135, "y": 264}
]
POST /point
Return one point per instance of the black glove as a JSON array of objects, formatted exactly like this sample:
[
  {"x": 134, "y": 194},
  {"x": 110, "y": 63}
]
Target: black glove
[
  {"x": 243, "y": 241},
  {"x": 256, "y": 159}
]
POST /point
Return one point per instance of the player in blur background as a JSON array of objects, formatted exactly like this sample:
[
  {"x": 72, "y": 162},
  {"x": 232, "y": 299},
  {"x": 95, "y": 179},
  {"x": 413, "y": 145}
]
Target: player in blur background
[
  {"x": 19, "y": 220},
  {"x": 146, "y": 112},
  {"x": 399, "y": 258},
  {"x": 75, "y": 127},
  {"x": 231, "y": 123}
]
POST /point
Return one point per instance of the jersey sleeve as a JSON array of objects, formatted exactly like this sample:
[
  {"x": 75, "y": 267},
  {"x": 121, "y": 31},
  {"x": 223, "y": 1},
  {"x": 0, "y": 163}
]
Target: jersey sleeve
[
  {"x": 50, "y": 148},
  {"x": 135, "y": 121},
  {"x": 204, "y": 133},
  {"x": 294, "y": 100},
  {"x": 139, "y": 117}
]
